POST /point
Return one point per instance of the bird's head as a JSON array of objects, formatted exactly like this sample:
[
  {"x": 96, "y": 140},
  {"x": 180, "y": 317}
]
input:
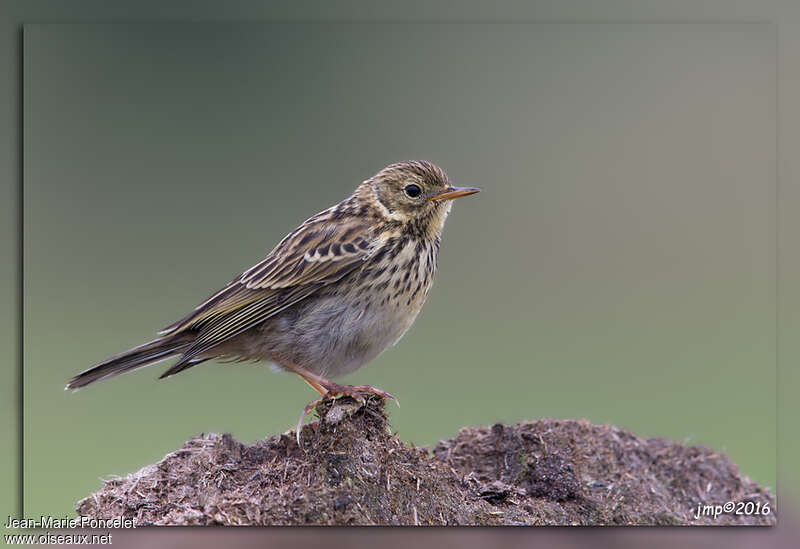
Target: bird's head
[{"x": 417, "y": 193}]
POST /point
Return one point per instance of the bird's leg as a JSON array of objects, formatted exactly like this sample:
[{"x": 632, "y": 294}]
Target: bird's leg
[
  {"x": 314, "y": 385},
  {"x": 329, "y": 390}
]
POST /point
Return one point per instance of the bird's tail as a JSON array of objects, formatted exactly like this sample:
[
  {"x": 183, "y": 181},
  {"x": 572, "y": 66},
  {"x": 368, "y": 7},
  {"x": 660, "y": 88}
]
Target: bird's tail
[{"x": 143, "y": 355}]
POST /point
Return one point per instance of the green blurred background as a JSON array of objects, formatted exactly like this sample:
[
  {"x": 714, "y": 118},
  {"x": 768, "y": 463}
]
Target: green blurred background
[{"x": 619, "y": 265}]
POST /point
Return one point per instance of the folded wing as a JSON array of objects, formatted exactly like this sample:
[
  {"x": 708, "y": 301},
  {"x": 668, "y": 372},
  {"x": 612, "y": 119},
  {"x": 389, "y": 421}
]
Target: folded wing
[{"x": 318, "y": 253}]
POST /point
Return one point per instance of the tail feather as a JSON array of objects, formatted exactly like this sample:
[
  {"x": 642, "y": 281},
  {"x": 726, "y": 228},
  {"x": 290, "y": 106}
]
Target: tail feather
[
  {"x": 138, "y": 357},
  {"x": 183, "y": 364}
]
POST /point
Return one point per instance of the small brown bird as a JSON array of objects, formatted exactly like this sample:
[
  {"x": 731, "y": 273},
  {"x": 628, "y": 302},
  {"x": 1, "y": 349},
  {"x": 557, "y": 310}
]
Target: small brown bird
[{"x": 331, "y": 296}]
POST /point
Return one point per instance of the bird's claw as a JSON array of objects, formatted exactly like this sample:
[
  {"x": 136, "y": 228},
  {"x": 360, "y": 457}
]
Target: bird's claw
[
  {"x": 354, "y": 393},
  {"x": 335, "y": 390}
]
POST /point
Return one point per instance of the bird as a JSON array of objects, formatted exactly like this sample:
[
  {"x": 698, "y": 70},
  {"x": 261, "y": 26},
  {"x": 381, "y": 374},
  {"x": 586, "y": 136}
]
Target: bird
[{"x": 330, "y": 297}]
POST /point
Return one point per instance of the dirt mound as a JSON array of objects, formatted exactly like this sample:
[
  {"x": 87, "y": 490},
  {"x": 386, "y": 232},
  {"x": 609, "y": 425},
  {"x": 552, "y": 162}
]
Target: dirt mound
[{"x": 350, "y": 469}]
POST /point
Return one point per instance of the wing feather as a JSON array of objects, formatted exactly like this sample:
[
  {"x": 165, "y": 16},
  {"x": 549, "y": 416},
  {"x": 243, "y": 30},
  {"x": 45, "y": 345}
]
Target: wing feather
[{"x": 318, "y": 253}]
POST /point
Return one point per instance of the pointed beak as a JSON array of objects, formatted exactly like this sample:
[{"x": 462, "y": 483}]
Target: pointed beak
[{"x": 453, "y": 192}]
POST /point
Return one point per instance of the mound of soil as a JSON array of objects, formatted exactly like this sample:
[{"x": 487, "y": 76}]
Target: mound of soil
[{"x": 350, "y": 469}]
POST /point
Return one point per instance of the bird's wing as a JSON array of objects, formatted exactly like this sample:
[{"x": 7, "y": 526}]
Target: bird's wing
[{"x": 317, "y": 253}]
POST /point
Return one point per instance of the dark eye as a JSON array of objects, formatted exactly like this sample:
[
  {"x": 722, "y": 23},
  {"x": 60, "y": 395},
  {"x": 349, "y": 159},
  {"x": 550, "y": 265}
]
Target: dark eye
[{"x": 412, "y": 191}]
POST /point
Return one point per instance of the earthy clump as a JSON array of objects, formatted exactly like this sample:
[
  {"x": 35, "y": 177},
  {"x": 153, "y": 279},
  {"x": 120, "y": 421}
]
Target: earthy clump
[{"x": 350, "y": 469}]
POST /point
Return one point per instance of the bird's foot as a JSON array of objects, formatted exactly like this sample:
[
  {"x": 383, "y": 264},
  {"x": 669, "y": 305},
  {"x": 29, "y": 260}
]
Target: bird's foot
[
  {"x": 355, "y": 391},
  {"x": 334, "y": 390}
]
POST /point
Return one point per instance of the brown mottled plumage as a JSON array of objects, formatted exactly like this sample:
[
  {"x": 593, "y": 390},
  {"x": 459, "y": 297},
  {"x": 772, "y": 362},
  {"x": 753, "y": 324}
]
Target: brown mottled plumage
[{"x": 331, "y": 296}]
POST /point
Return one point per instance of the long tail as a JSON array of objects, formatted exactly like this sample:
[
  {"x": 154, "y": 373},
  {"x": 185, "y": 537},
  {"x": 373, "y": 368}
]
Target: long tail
[{"x": 143, "y": 355}]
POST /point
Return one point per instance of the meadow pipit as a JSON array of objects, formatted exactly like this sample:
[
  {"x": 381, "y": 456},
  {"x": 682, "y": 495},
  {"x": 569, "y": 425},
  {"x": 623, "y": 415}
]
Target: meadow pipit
[{"x": 331, "y": 296}]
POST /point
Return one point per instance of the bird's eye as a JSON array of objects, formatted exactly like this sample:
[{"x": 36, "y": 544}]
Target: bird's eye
[{"x": 412, "y": 191}]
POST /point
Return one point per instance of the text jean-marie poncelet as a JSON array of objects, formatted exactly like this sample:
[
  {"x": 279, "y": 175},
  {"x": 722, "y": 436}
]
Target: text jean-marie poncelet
[{"x": 69, "y": 522}]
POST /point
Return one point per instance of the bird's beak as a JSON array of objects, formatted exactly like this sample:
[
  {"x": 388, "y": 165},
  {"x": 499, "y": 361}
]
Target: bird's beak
[{"x": 453, "y": 192}]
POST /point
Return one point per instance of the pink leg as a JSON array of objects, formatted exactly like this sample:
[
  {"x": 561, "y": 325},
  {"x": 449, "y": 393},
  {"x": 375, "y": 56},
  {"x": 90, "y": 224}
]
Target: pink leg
[{"x": 328, "y": 389}]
